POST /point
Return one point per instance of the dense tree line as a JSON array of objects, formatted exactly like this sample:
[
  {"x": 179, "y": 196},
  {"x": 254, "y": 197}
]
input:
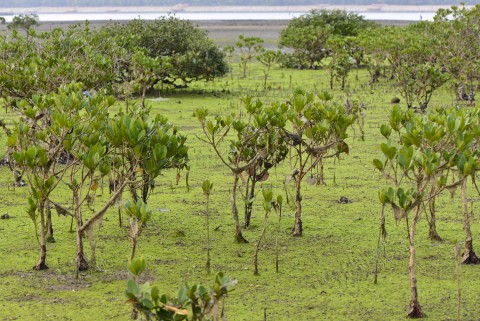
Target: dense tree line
[{"x": 95, "y": 3}]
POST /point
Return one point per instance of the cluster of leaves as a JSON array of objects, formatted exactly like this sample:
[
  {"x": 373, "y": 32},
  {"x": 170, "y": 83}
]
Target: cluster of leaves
[
  {"x": 122, "y": 59},
  {"x": 197, "y": 302},
  {"x": 308, "y": 35},
  {"x": 312, "y": 125},
  {"x": 423, "y": 56},
  {"x": 422, "y": 154},
  {"x": 250, "y": 48},
  {"x": 255, "y": 145},
  {"x": 191, "y": 54},
  {"x": 132, "y": 148}
]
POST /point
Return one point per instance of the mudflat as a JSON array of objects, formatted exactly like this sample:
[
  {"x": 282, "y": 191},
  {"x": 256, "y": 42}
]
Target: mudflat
[
  {"x": 223, "y": 32},
  {"x": 188, "y": 8}
]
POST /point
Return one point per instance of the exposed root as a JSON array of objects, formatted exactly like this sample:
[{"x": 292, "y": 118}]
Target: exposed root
[
  {"x": 433, "y": 235},
  {"x": 82, "y": 263},
  {"x": 240, "y": 239},
  {"x": 40, "y": 266},
  {"x": 415, "y": 311},
  {"x": 469, "y": 257}
]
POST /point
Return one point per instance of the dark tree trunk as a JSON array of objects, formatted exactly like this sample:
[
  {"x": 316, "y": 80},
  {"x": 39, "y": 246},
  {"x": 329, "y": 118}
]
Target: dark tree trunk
[
  {"x": 415, "y": 310},
  {"x": 342, "y": 87},
  {"x": 432, "y": 231},
  {"x": 238, "y": 230},
  {"x": 41, "y": 264},
  {"x": 298, "y": 229},
  {"x": 382, "y": 233},
  {"x": 146, "y": 187},
  {"x": 320, "y": 178},
  {"x": 134, "y": 248},
  {"x": 207, "y": 265},
  {"x": 248, "y": 204},
  {"x": 120, "y": 223},
  {"x": 49, "y": 237},
  {"x": 257, "y": 248},
  {"x": 468, "y": 255},
  {"x": 80, "y": 259}
]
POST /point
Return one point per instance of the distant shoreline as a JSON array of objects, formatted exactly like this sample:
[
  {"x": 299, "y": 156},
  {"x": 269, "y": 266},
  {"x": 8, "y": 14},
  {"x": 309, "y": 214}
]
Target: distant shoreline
[{"x": 194, "y": 9}]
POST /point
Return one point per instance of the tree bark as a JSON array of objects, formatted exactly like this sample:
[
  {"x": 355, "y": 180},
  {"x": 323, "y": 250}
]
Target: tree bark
[
  {"x": 381, "y": 233},
  {"x": 298, "y": 229},
  {"x": 134, "y": 248},
  {"x": 415, "y": 310},
  {"x": 238, "y": 230},
  {"x": 80, "y": 259},
  {"x": 49, "y": 236},
  {"x": 41, "y": 264},
  {"x": 207, "y": 265},
  {"x": 432, "y": 231},
  {"x": 248, "y": 204},
  {"x": 468, "y": 255},
  {"x": 257, "y": 248}
]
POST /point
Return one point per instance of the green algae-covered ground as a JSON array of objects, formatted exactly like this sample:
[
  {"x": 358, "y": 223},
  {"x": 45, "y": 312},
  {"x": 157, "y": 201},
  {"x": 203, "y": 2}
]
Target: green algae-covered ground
[{"x": 325, "y": 275}]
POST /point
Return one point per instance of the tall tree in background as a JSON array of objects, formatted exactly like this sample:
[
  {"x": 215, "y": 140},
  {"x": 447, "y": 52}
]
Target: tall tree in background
[
  {"x": 308, "y": 34},
  {"x": 192, "y": 54}
]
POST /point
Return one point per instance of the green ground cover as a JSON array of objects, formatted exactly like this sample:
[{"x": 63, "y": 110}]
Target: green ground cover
[{"x": 325, "y": 275}]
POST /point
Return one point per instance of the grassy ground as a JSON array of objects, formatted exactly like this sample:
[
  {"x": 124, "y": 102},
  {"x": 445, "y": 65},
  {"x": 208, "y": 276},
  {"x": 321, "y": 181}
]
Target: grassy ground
[{"x": 325, "y": 275}]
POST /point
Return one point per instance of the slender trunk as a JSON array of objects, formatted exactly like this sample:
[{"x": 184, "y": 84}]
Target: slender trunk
[
  {"x": 257, "y": 249},
  {"x": 238, "y": 230},
  {"x": 468, "y": 255},
  {"x": 134, "y": 247},
  {"x": 457, "y": 272},
  {"x": 249, "y": 204},
  {"x": 208, "y": 237},
  {"x": 415, "y": 310},
  {"x": 432, "y": 231},
  {"x": 247, "y": 193},
  {"x": 146, "y": 187},
  {"x": 49, "y": 237},
  {"x": 297, "y": 229},
  {"x": 112, "y": 186},
  {"x": 41, "y": 264},
  {"x": 381, "y": 232},
  {"x": 144, "y": 89},
  {"x": 320, "y": 178},
  {"x": 120, "y": 223},
  {"x": 276, "y": 237},
  {"x": 81, "y": 259}
]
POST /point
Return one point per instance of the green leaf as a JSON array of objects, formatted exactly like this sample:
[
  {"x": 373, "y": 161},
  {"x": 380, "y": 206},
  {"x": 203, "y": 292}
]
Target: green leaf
[
  {"x": 132, "y": 289},
  {"x": 378, "y": 164},
  {"x": 136, "y": 266},
  {"x": 279, "y": 199},
  {"x": 267, "y": 194},
  {"x": 207, "y": 187},
  {"x": 385, "y": 130}
]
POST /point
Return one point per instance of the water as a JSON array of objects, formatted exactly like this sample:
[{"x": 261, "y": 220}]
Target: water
[{"x": 117, "y": 16}]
